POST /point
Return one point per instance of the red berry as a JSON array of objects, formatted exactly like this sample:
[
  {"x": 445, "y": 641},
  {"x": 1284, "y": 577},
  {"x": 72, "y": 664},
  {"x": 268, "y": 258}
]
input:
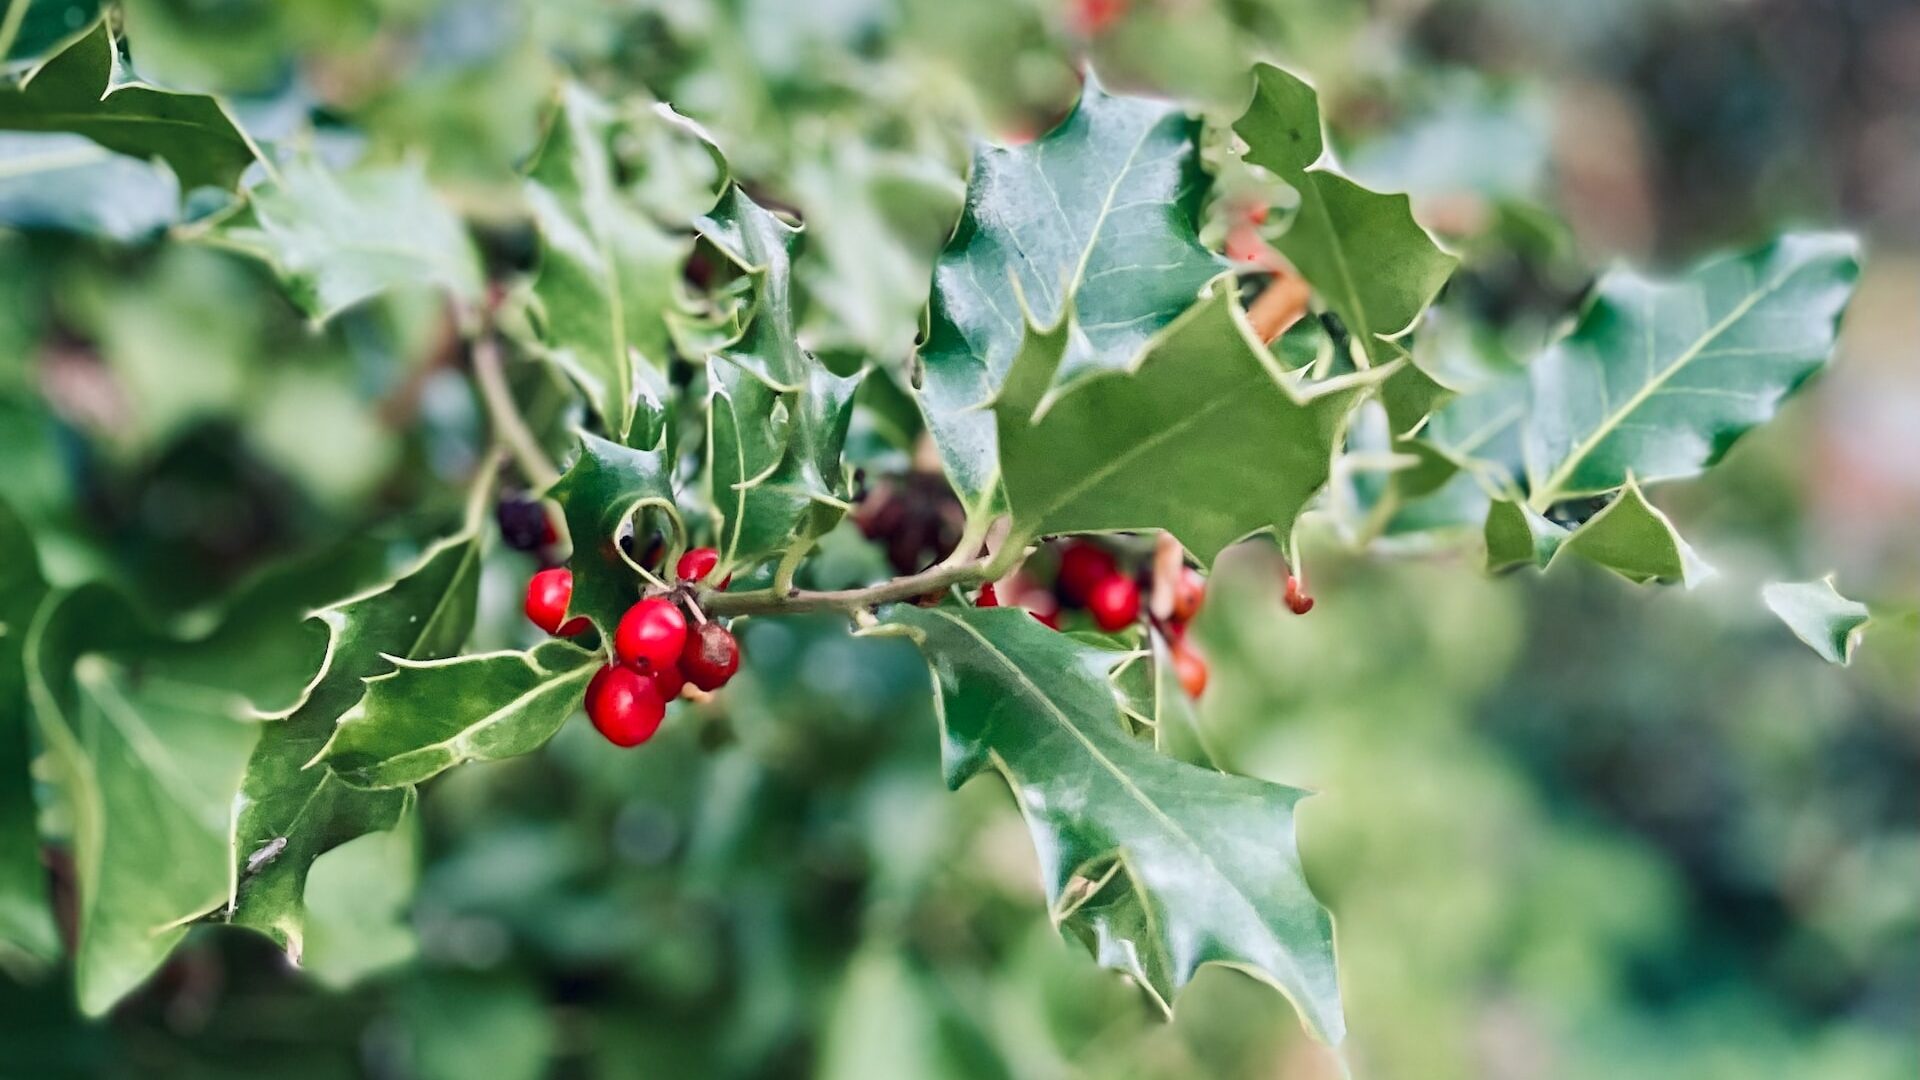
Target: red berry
[
  {"x": 987, "y": 597},
  {"x": 1297, "y": 599},
  {"x": 1189, "y": 593},
  {"x": 1244, "y": 244},
  {"x": 1191, "y": 669},
  {"x": 1092, "y": 17},
  {"x": 697, "y": 563},
  {"x": 668, "y": 681},
  {"x": 1048, "y": 619},
  {"x": 1115, "y": 603},
  {"x": 1082, "y": 566},
  {"x": 623, "y": 706},
  {"x": 711, "y": 656},
  {"x": 651, "y": 634},
  {"x": 548, "y": 594}
]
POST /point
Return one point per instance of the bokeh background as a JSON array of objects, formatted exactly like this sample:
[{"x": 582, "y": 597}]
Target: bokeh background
[{"x": 1568, "y": 827}]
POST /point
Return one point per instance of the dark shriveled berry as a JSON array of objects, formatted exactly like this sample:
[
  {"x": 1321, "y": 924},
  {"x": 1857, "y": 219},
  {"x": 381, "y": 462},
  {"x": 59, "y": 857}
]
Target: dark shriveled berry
[
  {"x": 523, "y": 523},
  {"x": 711, "y": 656}
]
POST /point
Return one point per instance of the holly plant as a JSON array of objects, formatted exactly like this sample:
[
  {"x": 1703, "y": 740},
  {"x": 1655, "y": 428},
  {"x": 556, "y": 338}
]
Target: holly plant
[{"x": 1154, "y": 332}]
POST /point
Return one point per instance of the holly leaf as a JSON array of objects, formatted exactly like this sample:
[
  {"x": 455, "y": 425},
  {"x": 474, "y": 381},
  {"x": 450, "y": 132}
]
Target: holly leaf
[
  {"x": 775, "y": 476},
  {"x": 1817, "y": 614},
  {"x": 1206, "y": 437},
  {"x": 757, "y": 241},
  {"x": 26, "y": 922},
  {"x": 78, "y": 90},
  {"x": 1518, "y": 535},
  {"x": 289, "y": 814},
  {"x": 1658, "y": 379},
  {"x": 1097, "y": 217},
  {"x": 1160, "y": 865},
  {"x": 609, "y": 275},
  {"x": 338, "y": 239},
  {"x": 1632, "y": 538},
  {"x": 1361, "y": 250},
  {"x": 148, "y": 765},
  {"x": 44, "y": 24},
  {"x": 606, "y": 485},
  {"x": 425, "y": 717}
]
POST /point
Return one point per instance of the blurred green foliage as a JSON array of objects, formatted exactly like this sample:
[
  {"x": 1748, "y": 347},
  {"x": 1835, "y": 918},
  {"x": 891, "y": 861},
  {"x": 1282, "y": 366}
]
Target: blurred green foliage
[{"x": 1567, "y": 828}]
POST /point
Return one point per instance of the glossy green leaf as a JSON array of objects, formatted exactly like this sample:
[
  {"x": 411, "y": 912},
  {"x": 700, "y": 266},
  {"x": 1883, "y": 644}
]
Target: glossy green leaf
[
  {"x": 773, "y": 473},
  {"x": 148, "y": 765},
  {"x": 289, "y": 813},
  {"x": 425, "y": 717},
  {"x": 338, "y": 239},
  {"x": 1162, "y": 866},
  {"x": 26, "y": 922},
  {"x": 1361, "y": 250},
  {"x": 777, "y": 417},
  {"x": 1658, "y": 379},
  {"x": 1817, "y": 614},
  {"x": 1517, "y": 535},
  {"x": 1206, "y": 437},
  {"x": 78, "y": 90},
  {"x": 764, "y": 246},
  {"x": 598, "y": 496},
  {"x": 31, "y": 28},
  {"x": 1096, "y": 218},
  {"x": 609, "y": 275},
  {"x": 1632, "y": 538}
]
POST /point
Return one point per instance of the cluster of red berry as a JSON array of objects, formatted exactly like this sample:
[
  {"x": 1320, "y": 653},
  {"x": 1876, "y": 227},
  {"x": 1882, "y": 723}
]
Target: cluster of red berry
[
  {"x": 656, "y": 653},
  {"x": 1090, "y": 577}
]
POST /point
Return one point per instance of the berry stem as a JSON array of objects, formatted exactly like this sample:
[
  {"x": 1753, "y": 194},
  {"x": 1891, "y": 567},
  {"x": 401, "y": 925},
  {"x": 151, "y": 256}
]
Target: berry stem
[
  {"x": 509, "y": 427},
  {"x": 795, "y": 602}
]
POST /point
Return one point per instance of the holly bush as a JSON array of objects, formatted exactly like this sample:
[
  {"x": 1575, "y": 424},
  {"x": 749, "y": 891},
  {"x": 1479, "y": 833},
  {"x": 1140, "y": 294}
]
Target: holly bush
[{"x": 395, "y": 382}]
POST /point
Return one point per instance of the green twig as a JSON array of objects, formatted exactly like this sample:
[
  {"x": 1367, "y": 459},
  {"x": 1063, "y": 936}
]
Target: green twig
[{"x": 509, "y": 427}]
